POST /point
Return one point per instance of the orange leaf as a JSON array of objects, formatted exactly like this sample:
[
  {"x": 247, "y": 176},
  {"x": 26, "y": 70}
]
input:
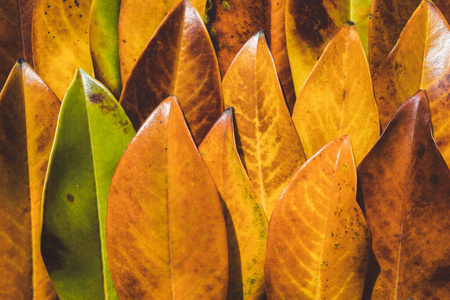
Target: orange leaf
[
  {"x": 245, "y": 219},
  {"x": 179, "y": 60},
  {"x": 138, "y": 21},
  {"x": 28, "y": 114},
  {"x": 318, "y": 241},
  {"x": 405, "y": 189},
  {"x": 420, "y": 60},
  {"x": 166, "y": 235},
  {"x": 271, "y": 149},
  {"x": 61, "y": 41},
  {"x": 337, "y": 98}
]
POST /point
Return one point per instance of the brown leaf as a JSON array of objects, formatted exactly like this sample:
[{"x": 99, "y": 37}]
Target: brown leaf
[
  {"x": 26, "y": 15},
  {"x": 179, "y": 60},
  {"x": 405, "y": 190}
]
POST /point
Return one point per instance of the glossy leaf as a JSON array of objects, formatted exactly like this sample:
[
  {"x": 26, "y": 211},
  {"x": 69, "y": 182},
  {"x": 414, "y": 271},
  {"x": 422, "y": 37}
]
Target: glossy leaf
[
  {"x": 405, "y": 190},
  {"x": 138, "y": 21},
  {"x": 60, "y": 41},
  {"x": 93, "y": 132},
  {"x": 232, "y": 23},
  {"x": 26, "y": 15},
  {"x": 10, "y": 38},
  {"x": 271, "y": 149},
  {"x": 103, "y": 41},
  {"x": 166, "y": 231},
  {"x": 318, "y": 241},
  {"x": 420, "y": 60},
  {"x": 245, "y": 219},
  {"x": 310, "y": 25},
  {"x": 387, "y": 21},
  {"x": 28, "y": 115},
  {"x": 337, "y": 98},
  {"x": 178, "y": 60},
  {"x": 278, "y": 48}
]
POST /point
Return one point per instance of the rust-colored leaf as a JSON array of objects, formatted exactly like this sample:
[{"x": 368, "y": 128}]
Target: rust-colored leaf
[
  {"x": 271, "y": 149},
  {"x": 388, "y": 17},
  {"x": 10, "y": 37},
  {"x": 166, "y": 235},
  {"x": 61, "y": 41},
  {"x": 420, "y": 60},
  {"x": 138, "y": 21},
  {"x": 232, "y": 23},
  {"x": 310, "y": 25},
  {"x": 178, "y": 60},
  {"x": 28, "y": 116},
  {"x": 245, "y": 219},
  {"x": 337, "y": 98},
  {"x": 26, "y": 15},
  {"x": 279, "y": 51},
  {"x": 405, "y": 190},
  {"x": 318, "y": 240}
]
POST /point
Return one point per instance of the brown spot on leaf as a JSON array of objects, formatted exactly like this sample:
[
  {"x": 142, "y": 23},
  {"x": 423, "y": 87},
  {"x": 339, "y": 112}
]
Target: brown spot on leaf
[
  {"x": 96, "y": 98},
  {"x": 52, "y": 249},
  {"x": 70, "y": 198}
]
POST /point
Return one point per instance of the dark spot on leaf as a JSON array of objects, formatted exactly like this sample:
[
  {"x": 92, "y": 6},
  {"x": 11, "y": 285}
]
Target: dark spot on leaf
[
  {"x": 70, "y": 198},
  {"x": 434, "y": 178},
  {"x": 96, "y": 98},
  {"x": 76, "y": 3},
  {"x": 441, "y": 274},
  {"x": 52, "y": 251},
  {"x": 421, "y": 151}
]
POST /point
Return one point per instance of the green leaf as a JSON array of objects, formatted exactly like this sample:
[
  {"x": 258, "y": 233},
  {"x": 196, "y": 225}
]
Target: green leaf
[{"x": 92, "y": 134}]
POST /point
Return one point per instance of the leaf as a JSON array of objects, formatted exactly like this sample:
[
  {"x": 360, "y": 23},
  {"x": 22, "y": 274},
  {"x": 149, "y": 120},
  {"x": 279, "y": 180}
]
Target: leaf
[
  {"x": 337, "y": 98},
  {"x": 174, "y": 63},
  {"x": 104, "y": 46},
  {"x": 93, "y": 132},
  {"x": 26, "y": 15},
  {"x": 277, "y": 44},
  {"x": 245, "y": 219},
  {"x": 28, "y": 115},
  {"x": 10, "y": 38},
  {"x": 166, "y": 232},
  {"x": 419, "y": 61},
  {"x": 231, "y": 23},
  {"x": 405, "y": 190},
  {"x": 310, "y": 25},
  {"x": 138, "y": 22},
  {"x": 271, "y": 149},
  {"x": 387, "y": 21},
  {"x": 318, "y": 240},
  {"x": 60, "y": 41}
]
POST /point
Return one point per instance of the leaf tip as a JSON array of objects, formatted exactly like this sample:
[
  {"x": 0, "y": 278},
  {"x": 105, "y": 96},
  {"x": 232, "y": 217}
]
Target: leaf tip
[{"x": 350, "y": 23}]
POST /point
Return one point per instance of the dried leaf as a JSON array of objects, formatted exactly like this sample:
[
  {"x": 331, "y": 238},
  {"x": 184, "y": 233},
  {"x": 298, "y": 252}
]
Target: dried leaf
[
  {"x": 166, "y": 232},
  {"x": 271, "y": 149},
  {"x": 28, "y": 115},
  {"x": 420, "y": 60},
  {"x": 337, "y": 98},
  {"x": 310, "y": 25},
  {"x": 138, "y": 21},
  {"x": 178, "y": 60},
  {"x": 245, "y": 219},
  {"x": 26, "y": 15},
  {"x": 93, "y": 132},
  {"x": 318, "y": 241},
  {"x": 405, "y": 190},
  {"x": 60, "y": 41}
]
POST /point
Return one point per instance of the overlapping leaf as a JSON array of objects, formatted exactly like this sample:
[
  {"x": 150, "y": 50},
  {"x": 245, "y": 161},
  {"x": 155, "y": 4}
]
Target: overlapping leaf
[
  {"x": 318, "y": 240},
  {"x": 388, "y": 17},
  {"x": 60, "y": 41},
  {"x": 26, "y": 15},
  {"x": 93, "y": 132},
  {"x": 310, "y": 25},
  {"x": 103, "y": 41},
  {"x": 138, "y": 21},
  {"x": 337, "y": 99},
  {"x": 166, "y": 231},
  {"x": 28, "y": 114},
  {"x": 405, "y": 191},
  {"x": 232, "y": 23},
  {"x": 178, "y": 60},
  {"x": 245, "y": 219},
  {"x": 271, "y": 149},
  {"x": 420, "y": 60}
]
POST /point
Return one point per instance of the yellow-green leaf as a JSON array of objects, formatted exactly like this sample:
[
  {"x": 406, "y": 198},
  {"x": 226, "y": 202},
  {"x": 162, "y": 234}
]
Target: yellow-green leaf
[
  {"x": 337, "y": 98},
  {"x": 318, "y": 240},
  {"x": 166, "y": 234},
  {"x": 271, "y": 149},
  {"x": 245, "y": 219}
]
